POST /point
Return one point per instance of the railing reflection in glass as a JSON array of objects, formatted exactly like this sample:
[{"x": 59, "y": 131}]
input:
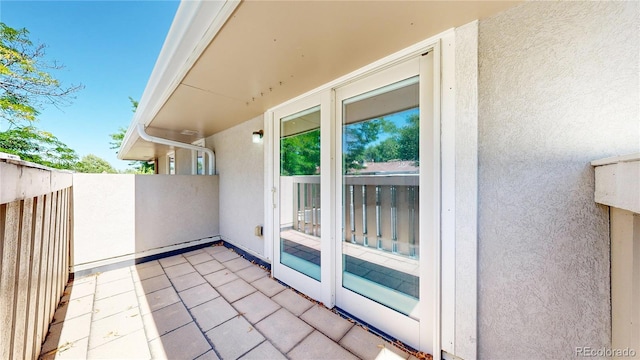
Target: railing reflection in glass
[
  {"x": 380, "y": 192},
  {"x": 300, "y": 192}
]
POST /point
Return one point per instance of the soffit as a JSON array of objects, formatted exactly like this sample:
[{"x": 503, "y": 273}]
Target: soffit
[{"x": 271, "y": 51}]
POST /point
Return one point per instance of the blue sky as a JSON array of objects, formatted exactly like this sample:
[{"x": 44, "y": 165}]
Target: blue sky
[{"x": 108, "y": 46}]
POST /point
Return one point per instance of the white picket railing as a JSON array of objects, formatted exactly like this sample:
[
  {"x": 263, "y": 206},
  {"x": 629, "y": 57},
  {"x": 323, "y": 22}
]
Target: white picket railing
[{"x": 381, "y": 210}]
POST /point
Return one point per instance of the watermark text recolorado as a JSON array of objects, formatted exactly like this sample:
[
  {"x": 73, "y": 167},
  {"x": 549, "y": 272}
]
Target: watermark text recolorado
[{"x": 587, "y": 351}]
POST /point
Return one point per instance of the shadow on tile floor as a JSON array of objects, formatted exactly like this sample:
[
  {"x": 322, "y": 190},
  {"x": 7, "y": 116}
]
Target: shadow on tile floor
[{"x": 205, "y": 304}]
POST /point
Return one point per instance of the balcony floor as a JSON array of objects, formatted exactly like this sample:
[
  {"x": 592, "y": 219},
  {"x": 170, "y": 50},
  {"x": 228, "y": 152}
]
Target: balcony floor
[{"x": 204, "y": 304}]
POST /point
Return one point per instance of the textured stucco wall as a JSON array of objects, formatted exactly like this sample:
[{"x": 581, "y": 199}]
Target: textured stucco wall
[
  {"x": 174, "y": 209},
  {"x": 163, "y": 164},
  {"x": 184, "y": 161},
  {"x": 120, "y": 217},
  {"x": 104, "y": 217},
  {"x": 466, "y": 188},
  {"x": 558, "y": 87},
  {"x": 240, "y": 165}
]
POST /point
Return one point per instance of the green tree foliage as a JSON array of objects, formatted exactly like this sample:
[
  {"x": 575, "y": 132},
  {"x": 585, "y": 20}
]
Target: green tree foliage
[
  {"x": 94, "y": 165},
  {"x": 402, "y": 143},
  {"x": 117, "y": 138},
  {"x": 409, "y": 140},
  {"x": 375, "y": 140},
  {"x": 140, "y": 167},
  {"x": 134, "y": 104},
  {"x": 300, "y": 154},
  {"x": 356, "y": 138},
  {"x": 37, "y": 146},
  {"x": 25, "y": 84},
  {"x": 386, "y": 150},
  {"x": 143, "y": 167}
]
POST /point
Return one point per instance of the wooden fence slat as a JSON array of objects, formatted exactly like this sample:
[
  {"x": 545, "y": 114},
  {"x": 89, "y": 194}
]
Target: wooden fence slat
[
  {"x": 50, "y": 258},
  {"x": 10, "y": 246},
  {"x": 23, "y": 278},
  {"x": 34, "y": 255},
  {"x": 63, "y": 244},
  {"x": 43, "y": 323},
  {"x": 63, "y": 240},
  {"x": 58, "y": 262},
  {"x": 32, "y": 340},
  {"x": 67, "y": 243},
  {"x": 56, "y": 257},
  {"x": 3, "y": 333}
]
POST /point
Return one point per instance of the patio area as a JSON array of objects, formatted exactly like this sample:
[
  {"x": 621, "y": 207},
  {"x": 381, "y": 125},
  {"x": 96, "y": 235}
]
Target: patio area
[{"x": 204, "y": 304}]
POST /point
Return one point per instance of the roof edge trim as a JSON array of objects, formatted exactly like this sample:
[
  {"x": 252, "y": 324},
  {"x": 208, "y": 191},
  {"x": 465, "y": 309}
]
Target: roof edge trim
[{"x": 194, "y": 26}]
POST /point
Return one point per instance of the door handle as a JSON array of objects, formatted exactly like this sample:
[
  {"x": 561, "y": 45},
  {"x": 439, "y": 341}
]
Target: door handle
[{"x": 273, "y": 197}]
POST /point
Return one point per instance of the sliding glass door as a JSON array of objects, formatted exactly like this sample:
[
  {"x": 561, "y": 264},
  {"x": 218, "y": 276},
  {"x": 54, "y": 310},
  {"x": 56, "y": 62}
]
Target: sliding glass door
[
  {"x": 299, "y": 232},
  {"x": 300, "y": 228},
  {"x": 378, "y": 186},
  {"x": 349, "y": 195}
]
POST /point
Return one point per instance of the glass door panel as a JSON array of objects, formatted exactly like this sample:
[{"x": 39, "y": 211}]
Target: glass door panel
[
  {"x": 346, "y": 197},
  {"x": 380, "y": 192},
  {"x": 300, "y": 227}
]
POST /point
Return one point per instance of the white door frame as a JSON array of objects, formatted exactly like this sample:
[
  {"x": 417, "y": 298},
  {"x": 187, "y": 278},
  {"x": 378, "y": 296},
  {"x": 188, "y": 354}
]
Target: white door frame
[
  {"x": 431, "y": 330},
  {"x": 406, "y": 328},
  {"x": 319, "y": 290}
]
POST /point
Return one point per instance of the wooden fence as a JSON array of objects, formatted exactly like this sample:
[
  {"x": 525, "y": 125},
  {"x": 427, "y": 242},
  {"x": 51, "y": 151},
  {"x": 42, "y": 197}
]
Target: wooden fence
[{"x": 34, "y": 247}]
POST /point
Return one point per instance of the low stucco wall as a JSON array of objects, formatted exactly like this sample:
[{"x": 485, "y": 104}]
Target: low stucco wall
[
  {"x": 104, "y": 217},
  {"x": 171, "y": 209},
  {"x": 123, "y": 217}
]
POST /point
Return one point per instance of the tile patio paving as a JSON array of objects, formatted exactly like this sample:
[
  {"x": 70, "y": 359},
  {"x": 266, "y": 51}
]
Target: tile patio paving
[{"x": 204, "y": 304}]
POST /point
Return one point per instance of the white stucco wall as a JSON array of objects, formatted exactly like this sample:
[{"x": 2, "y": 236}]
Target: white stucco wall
[
  {"x": 466, "y": 189},
  {"x": 558, "y": 87},
  {"x": 184, "y": 161},
  {"x": 240, "y": 166},
  {"x": 163, "y": 164},
  {"x": 123, "y": 217},
  {"x": 104, "y": 217},
  {"x": 173, "y": 209}
]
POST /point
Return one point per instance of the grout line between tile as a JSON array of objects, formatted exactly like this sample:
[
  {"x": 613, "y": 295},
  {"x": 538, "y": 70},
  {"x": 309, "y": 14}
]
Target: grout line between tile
[
  {"x": 252, "y": 326},
  {"x": 244, "y": 317},
  {"x": 213, "y": 348},
  {"x": 112, "y": 315},
  {"x": 135, "y": 290},
  {"x": 301, "y": 340},
  {"x": 93, "y": 311},
  {"x": 262, "y": 342}
]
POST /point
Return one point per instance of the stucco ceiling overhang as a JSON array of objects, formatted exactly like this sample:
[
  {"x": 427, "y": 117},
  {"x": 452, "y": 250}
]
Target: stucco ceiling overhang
[{"x": 267, "y": 52}]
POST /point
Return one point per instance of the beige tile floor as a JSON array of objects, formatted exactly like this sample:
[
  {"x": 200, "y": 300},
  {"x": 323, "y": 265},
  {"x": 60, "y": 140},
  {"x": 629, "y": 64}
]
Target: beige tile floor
[{"x": 204, "y": 304}]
